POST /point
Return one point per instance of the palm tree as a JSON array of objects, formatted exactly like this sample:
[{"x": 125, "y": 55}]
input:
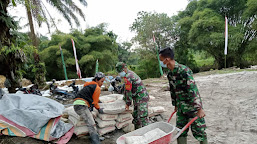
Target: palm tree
[{"x": 36, "y": 10}]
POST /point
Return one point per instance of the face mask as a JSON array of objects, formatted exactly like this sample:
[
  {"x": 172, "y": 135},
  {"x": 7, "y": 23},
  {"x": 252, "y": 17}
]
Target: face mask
[
  {"x": 163, "y": 65},
  {"x": 122, "y": 74}
]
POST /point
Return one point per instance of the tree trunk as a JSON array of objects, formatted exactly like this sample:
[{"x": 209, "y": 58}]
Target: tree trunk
[
  {"x": 40, "y": 69},
  {"x": 31, "y": 25}
]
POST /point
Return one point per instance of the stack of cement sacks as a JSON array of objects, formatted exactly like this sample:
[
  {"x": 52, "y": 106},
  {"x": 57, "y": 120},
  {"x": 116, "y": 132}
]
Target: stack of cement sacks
[{"x": 114, "y": 115}]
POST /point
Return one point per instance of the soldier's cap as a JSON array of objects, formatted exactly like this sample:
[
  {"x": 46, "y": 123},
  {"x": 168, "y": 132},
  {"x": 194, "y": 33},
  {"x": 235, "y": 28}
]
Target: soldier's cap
[
  {"x": 119, "y": 66},
  {"x": 167, "y": 52}
]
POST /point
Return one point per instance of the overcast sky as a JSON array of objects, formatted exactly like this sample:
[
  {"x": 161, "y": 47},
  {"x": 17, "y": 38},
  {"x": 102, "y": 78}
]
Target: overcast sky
[{"x": 119, "y": 14}]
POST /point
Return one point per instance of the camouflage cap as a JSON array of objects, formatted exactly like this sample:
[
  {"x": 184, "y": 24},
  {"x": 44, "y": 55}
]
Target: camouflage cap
[{"x": 119, "y": 66}]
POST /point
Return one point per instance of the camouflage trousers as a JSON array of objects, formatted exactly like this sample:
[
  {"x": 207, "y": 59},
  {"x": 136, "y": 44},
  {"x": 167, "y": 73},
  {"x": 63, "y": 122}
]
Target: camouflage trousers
[
  {"x": 197, "y": 127},
  {"x": 140, "y": 115}
]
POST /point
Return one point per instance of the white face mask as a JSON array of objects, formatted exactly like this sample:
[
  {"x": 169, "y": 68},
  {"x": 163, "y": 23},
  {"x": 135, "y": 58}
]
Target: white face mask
[
  {"x": 122, "y": 74},
  {"x": 162, "y": 64}
]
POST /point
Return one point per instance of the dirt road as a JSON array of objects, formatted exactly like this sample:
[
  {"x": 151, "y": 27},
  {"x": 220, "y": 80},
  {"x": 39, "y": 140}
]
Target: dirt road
[
  {"x": 229, "y": 100},
  {"x": 230, "y": 103}
]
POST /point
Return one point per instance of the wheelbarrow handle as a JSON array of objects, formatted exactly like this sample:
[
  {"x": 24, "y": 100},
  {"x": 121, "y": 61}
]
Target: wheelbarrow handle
[
  {"x": 183, "y": 129},
  {"x": 171, "y": 116}
]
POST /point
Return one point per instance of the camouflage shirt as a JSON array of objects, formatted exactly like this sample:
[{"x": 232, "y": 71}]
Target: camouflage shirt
[
  {"x": 134, "y": 89},
  {"x": 184, "y": 92}
]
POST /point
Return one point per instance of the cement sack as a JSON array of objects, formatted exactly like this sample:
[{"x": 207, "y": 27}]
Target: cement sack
[
  {"x": 158, "y": 109},
  {"x": 135, "y": 140},
  {"x": 113, "y": 107},
  {"x": 120, "y": 125},
  {"x": 107, "y": 99},
  {"x": 103, "y": 124},
  {"x": 110, "y": 98},
  {"x": 102, "y": 131},
  {"x": 71, "y": 112},
  {"x": 76, "y": 122},
  {"x": 119, "y": 96},
  {"x": 124, "y": 117},
  {"x": 129, "y": 128},
  {"x": 81, "y": 130},
  {"x": 154, "y": 135},
  {"x": 108, "y": 116}
]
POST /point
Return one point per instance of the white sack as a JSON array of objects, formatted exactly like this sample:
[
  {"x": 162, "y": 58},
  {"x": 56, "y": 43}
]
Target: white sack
[
  {"x": 103, "y": 124},
  {"x": 120, "y": 125},
  {"x": 82, "y": 130},
  {"x": 135, "y": 140},
  {"x": 129, "y": 128},
  {"x": 105, "y": 130},
  {"x": 154, "y": 135},
  {"x": 108, "y": 116},
  {"x": 113, "y": 107},
  {"x": 107, "y": 99},
  {"x": 124, "y": 117},
  {"x": 158, "y": 109}
]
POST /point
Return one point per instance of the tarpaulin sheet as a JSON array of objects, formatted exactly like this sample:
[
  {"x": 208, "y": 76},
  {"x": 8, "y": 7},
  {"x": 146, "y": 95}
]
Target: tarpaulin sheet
[{"x": 32, "y": 115}]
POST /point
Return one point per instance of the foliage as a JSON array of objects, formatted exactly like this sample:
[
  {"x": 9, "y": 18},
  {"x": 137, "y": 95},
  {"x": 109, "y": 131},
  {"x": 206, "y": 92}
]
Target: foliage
[
  {"x": 125, "y": 54},
  {"x": 148, "y": 65},
  {"x": 12, "y": 48},
  {"x": 202, "y": 28},
  {"x": 147, "y": 24},
  {"x": 166, "y": 34},
  {"x": 95, "y": 43}
]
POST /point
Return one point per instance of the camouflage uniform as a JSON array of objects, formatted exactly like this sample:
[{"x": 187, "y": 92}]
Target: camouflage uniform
[
  {"x": 135, "y": 91},
  {"x": 185, "y": 96}
]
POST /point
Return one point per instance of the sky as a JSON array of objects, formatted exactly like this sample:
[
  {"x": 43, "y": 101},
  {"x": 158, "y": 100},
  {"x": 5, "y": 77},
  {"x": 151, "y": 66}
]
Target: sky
[{"x": 118, "y": 14}]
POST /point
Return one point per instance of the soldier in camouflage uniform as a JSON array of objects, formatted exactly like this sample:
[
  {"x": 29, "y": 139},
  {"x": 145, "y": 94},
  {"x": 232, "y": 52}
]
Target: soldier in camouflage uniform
[
  {"x": 185, "y": 97},
  {"x": 135, "y": 92}
]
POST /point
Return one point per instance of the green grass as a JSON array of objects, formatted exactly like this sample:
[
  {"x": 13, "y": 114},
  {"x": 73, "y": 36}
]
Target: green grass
[
  {"x": 204, "y": 62},
  {"x": 203, "y": 59}
]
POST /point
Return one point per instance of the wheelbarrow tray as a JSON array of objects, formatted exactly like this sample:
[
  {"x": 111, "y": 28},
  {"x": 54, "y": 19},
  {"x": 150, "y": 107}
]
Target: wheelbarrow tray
[{"x": 166, "y": 127}]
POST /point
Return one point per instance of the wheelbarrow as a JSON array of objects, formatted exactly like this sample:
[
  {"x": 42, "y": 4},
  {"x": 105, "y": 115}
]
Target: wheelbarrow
[{"x": 164, "y": 126}]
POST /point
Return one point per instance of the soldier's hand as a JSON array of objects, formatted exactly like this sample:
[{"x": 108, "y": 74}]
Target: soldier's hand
[
  {"x": 127, "y": 107},
  {"x": 200, "y": 113}
]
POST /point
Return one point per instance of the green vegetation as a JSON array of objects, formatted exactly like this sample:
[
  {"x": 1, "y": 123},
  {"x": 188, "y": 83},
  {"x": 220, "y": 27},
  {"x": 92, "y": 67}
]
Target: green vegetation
[
  {"x": 196, "y": 34},
  {"x": 203, "y": 60}
]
